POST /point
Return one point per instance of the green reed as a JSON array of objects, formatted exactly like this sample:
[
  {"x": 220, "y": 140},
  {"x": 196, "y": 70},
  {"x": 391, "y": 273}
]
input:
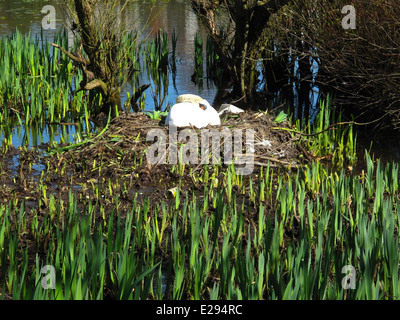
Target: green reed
[
  {"x": 337, "y": 143},
  {"x": 35, "y": 79},
  {"x": 157, "y": 51},
  {"x": 198, "y": 57},
  {"x": 274, "y": 236},
  {"x": 212, "y": 60},
  {"x": 155, "y": 60}
]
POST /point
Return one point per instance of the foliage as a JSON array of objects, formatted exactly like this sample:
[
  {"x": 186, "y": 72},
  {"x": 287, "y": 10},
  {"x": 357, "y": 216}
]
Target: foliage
[
  {"x": 156, "y": 114},
  {"x": 308, "y": 227},
  {"x": 36, "y": 81},
  {"x": 358, "y": 66}
]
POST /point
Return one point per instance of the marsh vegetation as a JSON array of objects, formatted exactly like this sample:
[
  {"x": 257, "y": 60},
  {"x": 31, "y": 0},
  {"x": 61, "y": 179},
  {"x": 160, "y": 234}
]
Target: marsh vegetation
[{"x": 115, "y": 226}]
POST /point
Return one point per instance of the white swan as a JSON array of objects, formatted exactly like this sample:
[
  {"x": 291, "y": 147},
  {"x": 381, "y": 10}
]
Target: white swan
[{"x": 192, "y": 110}]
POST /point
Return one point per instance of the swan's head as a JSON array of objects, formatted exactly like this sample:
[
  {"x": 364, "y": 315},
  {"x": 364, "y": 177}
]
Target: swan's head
[
  {"x": 188, "y": 98},
  {"x": 203, "y": 104},
  {"x": 192, "y": 98}
]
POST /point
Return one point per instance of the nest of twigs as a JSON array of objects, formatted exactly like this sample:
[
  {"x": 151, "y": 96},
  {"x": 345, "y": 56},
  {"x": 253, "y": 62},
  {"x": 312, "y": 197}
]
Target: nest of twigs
[{"x": 121, "y": 150}]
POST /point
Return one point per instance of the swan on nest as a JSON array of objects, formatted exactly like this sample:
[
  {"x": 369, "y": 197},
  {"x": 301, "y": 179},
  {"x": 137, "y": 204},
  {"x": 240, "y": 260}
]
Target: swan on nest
[{"x": 192, "y": 110}]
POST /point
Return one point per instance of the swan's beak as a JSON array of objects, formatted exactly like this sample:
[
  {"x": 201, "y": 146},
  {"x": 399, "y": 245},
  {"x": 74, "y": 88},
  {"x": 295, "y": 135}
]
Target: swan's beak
[{"x": 203, "y": 106}]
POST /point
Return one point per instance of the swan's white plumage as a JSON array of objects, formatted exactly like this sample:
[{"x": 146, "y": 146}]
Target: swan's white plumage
[
  {"x": 187, "y": 112},
  {"x": 229, "y": 108}
]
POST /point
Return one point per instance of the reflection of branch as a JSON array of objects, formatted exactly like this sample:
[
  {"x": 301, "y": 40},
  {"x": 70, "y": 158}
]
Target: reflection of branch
[
  {"x": 206, "y": 11},
  {"x": 360, "y": 67},
  {"x": 138, "y": 93}
]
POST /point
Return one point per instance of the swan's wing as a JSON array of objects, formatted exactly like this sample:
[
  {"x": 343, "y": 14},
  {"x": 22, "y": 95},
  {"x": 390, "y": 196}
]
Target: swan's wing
[
  {"x": 184, "y": 114},
  {"x": 230, "y": 108},
  {"x": 213, "y": 116}
]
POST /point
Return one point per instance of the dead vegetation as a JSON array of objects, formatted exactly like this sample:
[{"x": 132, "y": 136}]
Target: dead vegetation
[
  {"x": 121, "y": 151},
  {"x": 115, "y": 162},
  {"x": 359, "y": 67}
]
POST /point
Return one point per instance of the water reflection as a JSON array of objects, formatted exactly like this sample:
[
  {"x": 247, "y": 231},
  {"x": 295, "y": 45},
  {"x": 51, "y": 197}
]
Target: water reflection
[
  {"x": 176, "y": 16},
  {"x": 27, "y": 16},
  {"x": 37, "y": 135}
]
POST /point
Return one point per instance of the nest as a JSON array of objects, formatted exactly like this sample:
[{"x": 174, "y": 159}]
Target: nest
[{"x": 123, "y": 147}]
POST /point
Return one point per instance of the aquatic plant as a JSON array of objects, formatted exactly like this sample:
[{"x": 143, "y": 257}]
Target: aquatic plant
[
  {"x": 327, "y": 137},
  {"x": 307, "y": 229},
  {"x": 155, "y": 59},
  {"x": 198, "y": 58},
  {"x": 35, "y": 82}
]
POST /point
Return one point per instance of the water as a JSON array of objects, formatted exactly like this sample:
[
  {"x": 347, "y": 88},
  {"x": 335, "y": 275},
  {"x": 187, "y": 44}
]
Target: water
[
  {"x": 176, "y": 15},
  {"x": 35, "y": 136},
  {"x": 24, "y": 15}
]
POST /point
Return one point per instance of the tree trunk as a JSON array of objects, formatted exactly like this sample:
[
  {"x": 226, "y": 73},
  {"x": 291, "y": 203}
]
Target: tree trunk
[
  {"x": 239, "y": 40},
  {"x": 102, "y": 44}
]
